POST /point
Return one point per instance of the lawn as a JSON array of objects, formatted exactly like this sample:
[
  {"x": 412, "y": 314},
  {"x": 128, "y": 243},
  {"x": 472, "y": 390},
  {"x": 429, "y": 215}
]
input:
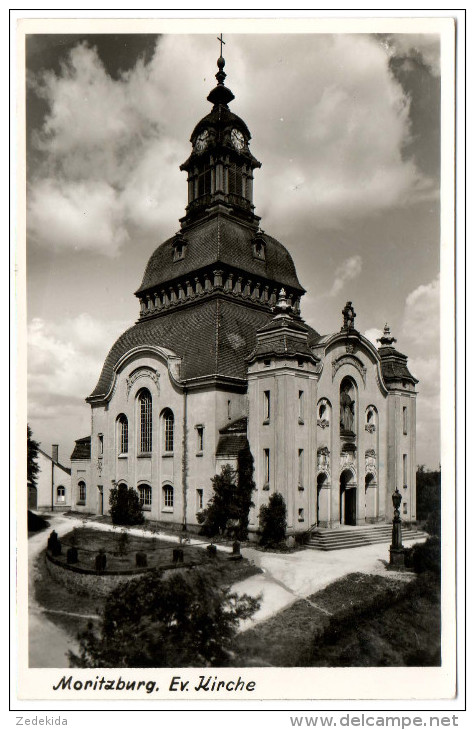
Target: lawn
[{"x": 360, "y": 620}]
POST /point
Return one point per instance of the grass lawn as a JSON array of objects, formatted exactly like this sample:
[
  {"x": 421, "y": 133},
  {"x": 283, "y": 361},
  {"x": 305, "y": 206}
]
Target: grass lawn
[
  {"x": 63, "y": 605},
  {"x": 360, "y": 620}
]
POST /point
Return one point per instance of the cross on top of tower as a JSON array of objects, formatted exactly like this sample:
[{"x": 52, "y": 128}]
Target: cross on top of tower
[{"x": 222, "y": 43}]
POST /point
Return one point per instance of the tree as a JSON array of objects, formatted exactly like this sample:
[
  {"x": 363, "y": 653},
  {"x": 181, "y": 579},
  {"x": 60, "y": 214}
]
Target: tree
[
  {"x": 222, "y": 505},
  {"x": 33, "y": 468},
  {"x": 273, "y": 520},
  {"x": 428, "y": 496},
  {"x": 125, "y": 506},
  {"x": 232, "y": 498},
  {"x": 245, "y": 488},
  {"x": 183, "y": 619}
]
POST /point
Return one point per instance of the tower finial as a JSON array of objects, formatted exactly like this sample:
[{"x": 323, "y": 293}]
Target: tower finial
[
  {"x": 386, "y": 340},
  {"x": 220, "y": 94}
]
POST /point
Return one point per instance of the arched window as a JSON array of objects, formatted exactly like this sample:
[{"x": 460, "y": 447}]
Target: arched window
[
  {"x": 145, "y": 410},
  {"x": 145, "y": 496},
  {"x": 123, "y": 434},
  {"x": 168, "y": 497},
  {"x": 81, "y": 492},
  {"x": 168, "y": 430},
  {"x": 60, "y": 494}
]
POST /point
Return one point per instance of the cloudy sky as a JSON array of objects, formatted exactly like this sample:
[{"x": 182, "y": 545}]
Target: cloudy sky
[{"x": 347, "y": 130}]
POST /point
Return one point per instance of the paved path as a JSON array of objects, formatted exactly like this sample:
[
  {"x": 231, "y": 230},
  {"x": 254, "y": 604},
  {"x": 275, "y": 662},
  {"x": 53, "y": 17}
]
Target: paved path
[
  {"x": 286, "y": 577},
  {"x": 48, "y": 643}
]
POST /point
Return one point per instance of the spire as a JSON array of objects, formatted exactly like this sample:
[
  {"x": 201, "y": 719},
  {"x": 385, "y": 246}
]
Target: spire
[
  {"x": 386, "y": 340},
  {"x": 220, "y": 94}
]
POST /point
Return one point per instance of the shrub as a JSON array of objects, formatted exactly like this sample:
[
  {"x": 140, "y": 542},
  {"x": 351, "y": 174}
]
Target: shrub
[
  {"x": 433, "y": 523},
  {"x": 187, "y": 619},
  {"x": 426, "y": 556},
  {"x": 141, "y": 560},
  {"x": 101, "y": 561},
  {"x": 125, "y": 506},
  {"x": 72, "y": 555},
  {"x": 273, "y": 521}
]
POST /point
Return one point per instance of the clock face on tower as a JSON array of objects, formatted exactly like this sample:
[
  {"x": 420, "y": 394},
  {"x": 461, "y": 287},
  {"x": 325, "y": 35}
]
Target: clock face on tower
[
  {"x": 202, "y": 140},
  {"x": 237, "y": 139}
]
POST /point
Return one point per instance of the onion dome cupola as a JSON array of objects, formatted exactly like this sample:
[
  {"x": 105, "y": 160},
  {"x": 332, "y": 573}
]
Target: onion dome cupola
[{"x": 220, "y": 167}]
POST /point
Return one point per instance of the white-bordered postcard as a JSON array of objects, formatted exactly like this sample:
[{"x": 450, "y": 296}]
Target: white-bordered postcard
[{"x": 235, "y": 264}]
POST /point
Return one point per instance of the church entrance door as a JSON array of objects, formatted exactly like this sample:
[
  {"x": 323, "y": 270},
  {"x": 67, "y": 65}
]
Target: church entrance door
[{"x": 347, "y": 500}]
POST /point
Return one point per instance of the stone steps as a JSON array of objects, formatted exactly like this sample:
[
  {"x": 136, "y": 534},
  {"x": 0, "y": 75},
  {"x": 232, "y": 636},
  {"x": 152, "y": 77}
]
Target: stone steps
[{"x": 340, "y": 539}]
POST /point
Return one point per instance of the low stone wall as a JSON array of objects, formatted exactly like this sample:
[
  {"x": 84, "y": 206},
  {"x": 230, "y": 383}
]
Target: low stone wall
[{"x": 88, "y": 582}]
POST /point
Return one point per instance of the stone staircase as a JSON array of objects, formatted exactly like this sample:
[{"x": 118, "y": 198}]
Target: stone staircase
[{"x": 351, "y": 537}]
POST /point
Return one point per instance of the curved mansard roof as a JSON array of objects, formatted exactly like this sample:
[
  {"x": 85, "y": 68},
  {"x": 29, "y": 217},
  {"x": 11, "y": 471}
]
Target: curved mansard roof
[
  {"x": 213, "y": 337},
  {"x": 221, "y": 240}
]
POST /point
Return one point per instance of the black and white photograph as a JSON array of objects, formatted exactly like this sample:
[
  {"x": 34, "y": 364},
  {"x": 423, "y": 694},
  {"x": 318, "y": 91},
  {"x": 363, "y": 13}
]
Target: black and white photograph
[{"x": 238, "y": 462}]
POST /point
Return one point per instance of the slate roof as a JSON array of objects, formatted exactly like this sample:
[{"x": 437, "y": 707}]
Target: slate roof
[
  {"x": 213, "y": 337},
  {"x": 233, "y": 438},
  {"x": 394, "y": 365},
  {"x": 82, "y": 448},
  {"x": 223, "y": 240}
]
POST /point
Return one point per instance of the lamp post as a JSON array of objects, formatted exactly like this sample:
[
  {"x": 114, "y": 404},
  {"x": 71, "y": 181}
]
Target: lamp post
[{"x": 396, "y": 550}]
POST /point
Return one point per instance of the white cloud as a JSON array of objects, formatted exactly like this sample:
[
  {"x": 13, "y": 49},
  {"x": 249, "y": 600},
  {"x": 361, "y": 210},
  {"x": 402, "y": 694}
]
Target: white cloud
[
  {"x": 372, "y": 335},
  {"x": 112, "y": 148},
  {"x": 350, "y": 269}
]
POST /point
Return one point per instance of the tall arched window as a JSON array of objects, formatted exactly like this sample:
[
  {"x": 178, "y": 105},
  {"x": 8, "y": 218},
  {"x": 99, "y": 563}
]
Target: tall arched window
[
  {"x": 81, "y": 492},
  {"x": 168, "y": 430},
  {"x": 123, "y": 434},
  {"x": 145, "y": 411}
]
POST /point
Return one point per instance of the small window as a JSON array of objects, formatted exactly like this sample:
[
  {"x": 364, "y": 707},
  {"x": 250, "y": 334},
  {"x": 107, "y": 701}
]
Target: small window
[
  {"x": 179, "y": 247},
  {"x": 81, "y": 492},
  {"x": 301, "y": 406},
  {"x": 301, "y": 468},
  {"x": 404, "y": 508},
  {"x": 404, "y": 469},
  {"x": 199, "y": 499},
  {"x": 369, "y": 416},
  {"x": 300, "y": 362},
  {"x": 267, "y": 363},
  {"x": 168, "y": 431},
  {"x": 60, "y": 494},
  {"x": 145, "y": 496},
  {"x": 101, "y": 443},
  {"x": 229, "y": 410},
  {"x": 200, "y": 435},
  {"x": 123, "y": 434},
  {"x": 168, "y": 497},
  {"x": 266, "y": 406},
  {"x": 301, "y": 514},
  {"x": 266, "y": 467},
  {"x": 259, "y": 250},
  {"x": 404, "y": 419},
  {"x": 322, "y": 411}
]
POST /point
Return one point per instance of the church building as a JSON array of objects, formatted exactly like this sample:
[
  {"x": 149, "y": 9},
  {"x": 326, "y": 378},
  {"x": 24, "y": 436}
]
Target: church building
[{"x": 220, "y": 357}]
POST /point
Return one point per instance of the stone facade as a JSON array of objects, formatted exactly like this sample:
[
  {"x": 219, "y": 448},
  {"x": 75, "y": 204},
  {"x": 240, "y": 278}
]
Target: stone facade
[{"x": 221, "y": 357}]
